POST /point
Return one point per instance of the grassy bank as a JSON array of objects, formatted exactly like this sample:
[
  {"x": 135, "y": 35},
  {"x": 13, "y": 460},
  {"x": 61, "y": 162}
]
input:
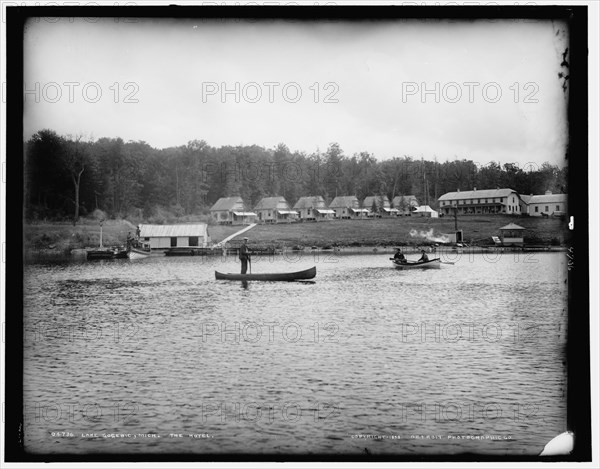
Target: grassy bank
[
  {"x": 384, "y": 232},
  {"x": 64, "y": 237}
]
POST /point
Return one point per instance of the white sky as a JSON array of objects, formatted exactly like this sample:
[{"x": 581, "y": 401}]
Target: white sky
[{"x": 370, "y": 63}]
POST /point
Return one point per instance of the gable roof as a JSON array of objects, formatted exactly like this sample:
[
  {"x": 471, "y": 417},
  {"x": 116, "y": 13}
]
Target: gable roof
[
  {"x": 344, "y": 201},
  {"x": 271, "y": 203},
  {"x": 487, "y": 193},
  {"x": 368, "y": 202},
  {"x": 188, "y": 229},
  {"x": 423, "y": 208},
  {"x": 408, "y": 199},
  {"x": 547, "y": 198},
  {"x": 512, "y": 226},
  {"x": 227, "y": 203},
  {"x": 310, "y": 202},
  {"x": 525, "y": 198}
]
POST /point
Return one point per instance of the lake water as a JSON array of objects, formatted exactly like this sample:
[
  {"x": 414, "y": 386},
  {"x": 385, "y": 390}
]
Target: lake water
[{"x": 156, "y": 356}]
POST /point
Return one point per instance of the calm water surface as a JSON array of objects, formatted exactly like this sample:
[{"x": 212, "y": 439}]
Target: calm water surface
[{"x": 397, "y": 362}]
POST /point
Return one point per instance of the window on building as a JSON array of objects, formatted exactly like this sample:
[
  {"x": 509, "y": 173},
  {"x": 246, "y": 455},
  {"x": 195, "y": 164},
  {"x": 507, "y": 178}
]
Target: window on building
[
  {"x": 193, "y": 241},
  {"x": 536, "y": 209},
  {"x": 509, "y": 208},
  {"x": 558, "y": 208},
  {"x": 173, "y": 242},
  {"x": 546, "y": 209}
]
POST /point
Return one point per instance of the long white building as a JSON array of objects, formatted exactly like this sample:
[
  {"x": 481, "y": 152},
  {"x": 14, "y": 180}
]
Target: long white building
[{"x": 489, "y": 201}]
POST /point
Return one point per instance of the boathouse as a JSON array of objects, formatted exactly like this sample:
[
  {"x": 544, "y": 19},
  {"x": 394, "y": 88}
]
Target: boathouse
[
  {"x": 172, "y": 236},
  {"x": 512, "y": 235}
]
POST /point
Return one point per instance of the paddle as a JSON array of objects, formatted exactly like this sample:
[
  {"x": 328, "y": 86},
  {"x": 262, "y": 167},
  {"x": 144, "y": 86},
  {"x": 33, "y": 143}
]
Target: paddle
[{"x": 250, "y": 263}]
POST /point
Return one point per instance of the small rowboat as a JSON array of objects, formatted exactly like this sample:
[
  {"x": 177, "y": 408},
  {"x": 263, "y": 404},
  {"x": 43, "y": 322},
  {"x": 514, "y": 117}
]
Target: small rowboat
[
  {"x": 135, "y": 253},
  {"x": 273, "y": 277},
  {"x": 430, "y": 264}
]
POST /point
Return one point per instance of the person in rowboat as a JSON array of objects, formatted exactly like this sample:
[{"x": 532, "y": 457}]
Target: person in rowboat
[
  {"x": 424, "y": 257},
  {"x": 244, "y": 255},
  {"x": 399, "y": 257}
]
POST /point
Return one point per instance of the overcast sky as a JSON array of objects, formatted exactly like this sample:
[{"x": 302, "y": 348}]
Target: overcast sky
[{"x": 162, "y": 81}]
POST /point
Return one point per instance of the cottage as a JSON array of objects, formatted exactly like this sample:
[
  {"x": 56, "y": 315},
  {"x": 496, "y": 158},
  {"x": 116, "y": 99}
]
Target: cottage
[
  {"x": 491, "y": 201},
  {"x": 389, "y": 212},
  {"x": 275, "y": 210},
  {"x": 171, "y": 236},
  {"x": 346, "y": 207},
  {"x": 379, "y": 202},
  {"x": 360, "y": 213},
  {"x": 405, "y": 204},
  {"x": 512, "y": 234},
  {"x": 313, "y": 208},
  {"x": 231, "y": 211},
  {"x": 548, "y": 204}
]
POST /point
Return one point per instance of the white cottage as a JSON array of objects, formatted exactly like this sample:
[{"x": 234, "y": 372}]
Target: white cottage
[
  {"x": 313, "y": 208},
  {"x": 346, "y": 207},
  {"x": 231, "y": 211},
  {"x": 275, "y": 210}
]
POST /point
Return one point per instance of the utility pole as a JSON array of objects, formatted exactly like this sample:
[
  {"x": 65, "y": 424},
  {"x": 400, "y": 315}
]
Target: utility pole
[{"x": 455, "y": 217}]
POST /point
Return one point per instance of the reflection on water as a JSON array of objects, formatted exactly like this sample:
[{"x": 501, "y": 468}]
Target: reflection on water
[{"x": 397, "y": 362}]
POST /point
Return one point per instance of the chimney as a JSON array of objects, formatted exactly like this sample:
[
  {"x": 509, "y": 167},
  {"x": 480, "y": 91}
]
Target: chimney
[{"x": 548, "y": 193}]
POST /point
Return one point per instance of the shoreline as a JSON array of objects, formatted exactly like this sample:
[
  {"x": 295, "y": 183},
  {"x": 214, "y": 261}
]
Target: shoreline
[
  {"x": 79, "y": 254},
  {"x": 55, "y": 240}
]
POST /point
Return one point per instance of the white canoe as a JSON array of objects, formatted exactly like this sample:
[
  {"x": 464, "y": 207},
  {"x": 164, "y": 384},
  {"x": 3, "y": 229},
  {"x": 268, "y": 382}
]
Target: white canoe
[{"x": 430, "y": 264}]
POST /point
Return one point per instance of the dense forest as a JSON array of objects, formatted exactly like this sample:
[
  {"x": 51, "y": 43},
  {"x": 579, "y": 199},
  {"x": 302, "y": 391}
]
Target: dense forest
[{"x": 68, "y": 177}]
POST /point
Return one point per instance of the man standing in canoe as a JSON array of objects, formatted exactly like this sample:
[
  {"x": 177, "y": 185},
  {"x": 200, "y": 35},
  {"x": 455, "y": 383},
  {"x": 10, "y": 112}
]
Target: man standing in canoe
[{"x": 244, "y": 255}]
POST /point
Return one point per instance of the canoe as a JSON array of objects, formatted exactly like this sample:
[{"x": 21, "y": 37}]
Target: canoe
[
  {"x": 430, "y": 264},
  {"x": 135, "y": 253},
  {"x": 271, "y": 277}
]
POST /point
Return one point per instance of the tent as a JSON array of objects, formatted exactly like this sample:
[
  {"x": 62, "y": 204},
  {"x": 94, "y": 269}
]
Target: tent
[{"x": 425, "y": 211}]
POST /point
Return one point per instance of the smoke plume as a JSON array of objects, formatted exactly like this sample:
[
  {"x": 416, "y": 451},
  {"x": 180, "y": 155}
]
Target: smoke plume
[{"x": 428, "y": 235}]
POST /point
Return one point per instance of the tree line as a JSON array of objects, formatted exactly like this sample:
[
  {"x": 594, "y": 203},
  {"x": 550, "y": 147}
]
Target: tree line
[{"x": 67, "y": 177}]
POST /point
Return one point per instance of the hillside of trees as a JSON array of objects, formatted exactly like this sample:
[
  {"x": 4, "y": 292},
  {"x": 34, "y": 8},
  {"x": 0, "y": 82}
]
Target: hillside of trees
[{"x": 68, "y": 177}]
